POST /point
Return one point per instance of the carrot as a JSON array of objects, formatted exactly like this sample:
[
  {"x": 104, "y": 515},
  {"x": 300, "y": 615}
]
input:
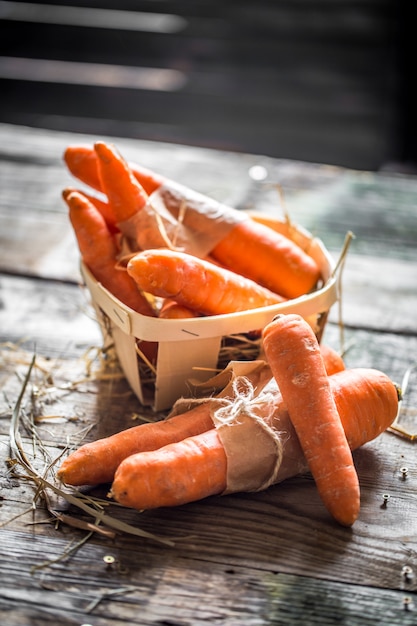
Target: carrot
[
  {"x": 178, "y": 473},
  {"x": 250, "y": 248},
  {"x": 270, "y": 221},
  {"x": 127, "y": 199},
  {"x": 196, "y": 283},
  {"x": 333, "y": 361},
  {"x": 367, "y": 403},
  {"x": 267, "y": 257},
  {"x": 97, "y": 461},
  {"x": 125, "y": 194},
  {"x": 100, "y": 205},
  {"x": 189, "y": 470},
  {"x": 81, "y": 161},
  {"x": 99, "y": 251},
  {"x": 150, "y": 180},
  {"x": 293, "y": 353},
  {"x": 172, "y": 310},
  {"x": 258, "y": 252}
]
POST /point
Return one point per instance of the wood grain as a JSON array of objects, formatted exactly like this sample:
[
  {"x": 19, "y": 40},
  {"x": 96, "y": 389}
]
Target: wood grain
[{"x": 268, "y": 558}]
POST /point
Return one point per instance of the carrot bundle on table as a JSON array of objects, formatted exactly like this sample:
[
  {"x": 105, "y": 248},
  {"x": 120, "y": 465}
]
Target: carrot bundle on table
[
  {"x": 248, "y": 248},
  {"x": 196, "y": 467},
  {"x": 96, "y": 462}
]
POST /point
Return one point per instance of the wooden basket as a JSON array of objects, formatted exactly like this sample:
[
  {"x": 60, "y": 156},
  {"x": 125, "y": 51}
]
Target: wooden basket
[{"x": 191, "y": 349}]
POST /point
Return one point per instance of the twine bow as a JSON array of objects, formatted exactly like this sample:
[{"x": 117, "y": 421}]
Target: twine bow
[{"x": 253, "y": 448}]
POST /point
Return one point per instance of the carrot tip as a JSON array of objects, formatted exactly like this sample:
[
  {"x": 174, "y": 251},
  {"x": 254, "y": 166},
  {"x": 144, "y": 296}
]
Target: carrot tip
[{"x": 104, "y": 151}]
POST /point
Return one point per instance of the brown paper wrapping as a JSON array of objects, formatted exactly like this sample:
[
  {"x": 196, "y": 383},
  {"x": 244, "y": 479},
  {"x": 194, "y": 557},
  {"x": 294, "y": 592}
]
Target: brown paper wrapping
[
  {"x": 253, "y": 449},
  {"x": 179, "y": 218},
  {"x": 241, "y": 413},
  {"x": 222, "y": 385}
]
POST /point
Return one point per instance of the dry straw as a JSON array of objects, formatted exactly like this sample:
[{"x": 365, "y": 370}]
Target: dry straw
[{"x": 44, "y": 484}]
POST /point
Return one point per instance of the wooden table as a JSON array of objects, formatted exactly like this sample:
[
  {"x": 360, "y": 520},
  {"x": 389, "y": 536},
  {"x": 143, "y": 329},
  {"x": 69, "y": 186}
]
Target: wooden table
[{"x": 274, "y": 557}]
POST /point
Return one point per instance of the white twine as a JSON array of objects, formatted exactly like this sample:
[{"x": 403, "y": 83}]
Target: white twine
[
  {"x": 243, "y": 401},
  {"x": 266, "y": 446},
  {"x": 254, "y": 449}
]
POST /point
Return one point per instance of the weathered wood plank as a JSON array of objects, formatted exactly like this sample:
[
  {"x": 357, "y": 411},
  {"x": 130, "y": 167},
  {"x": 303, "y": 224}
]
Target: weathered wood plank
[
  {"x": 378, "y": 293},
  {"x": 216, "y": 594},
  {"x": 161, "y": 578},
  {"x": 47, "y": 313}
]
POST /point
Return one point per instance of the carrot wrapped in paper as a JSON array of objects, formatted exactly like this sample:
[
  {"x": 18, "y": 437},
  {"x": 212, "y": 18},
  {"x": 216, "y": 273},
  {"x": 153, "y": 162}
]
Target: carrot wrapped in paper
[
  {"x": 96, "y": 462},
  {"x": 238, "y": 456}
]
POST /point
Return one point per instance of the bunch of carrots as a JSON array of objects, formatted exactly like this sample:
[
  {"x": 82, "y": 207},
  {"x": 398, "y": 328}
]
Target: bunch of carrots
[
  {"x": 251, "y": 266},
  {"x": 321, "y": 409}
]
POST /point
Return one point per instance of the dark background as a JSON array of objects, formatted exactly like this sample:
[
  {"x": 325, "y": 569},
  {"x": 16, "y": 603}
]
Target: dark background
[{"x": 328, "y": 81}]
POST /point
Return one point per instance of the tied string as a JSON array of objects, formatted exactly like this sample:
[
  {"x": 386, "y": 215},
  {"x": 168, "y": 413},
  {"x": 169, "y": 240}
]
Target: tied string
[
  {"x": 152, "y": 227},
  {"x": 182, "y": 405},
  {"x": 253, "y": 448},
  {"x": 178, "y": 218},
  {"x": 244, "y": 401}
]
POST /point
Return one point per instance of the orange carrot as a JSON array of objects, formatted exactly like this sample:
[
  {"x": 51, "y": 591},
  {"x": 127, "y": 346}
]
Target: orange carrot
[
  {"x": 99, "y": 251},
  {"x": 97, "y": 461},
  {"x": 150, "y": 180},
  {"x": 258, "y": 252},
  {"x": 333, "y": 361},
  {"x": 270, "y": 221},
  {"x": 196, "y": 283},
  {"x": 267, "y": 257},
  {"x": 172, "y": 310},
  {"x": 195, "y": 467},
  {"x": 81, "y": 161},
  {"x": 250, "y": 248},
  {"x": 175, "y": 474},
  {"x": 125, "y": 194},
  {"x": 367, "y": 403},
  {"x": 101, "y": 205},
  {"x": 293, "y": 353}
]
